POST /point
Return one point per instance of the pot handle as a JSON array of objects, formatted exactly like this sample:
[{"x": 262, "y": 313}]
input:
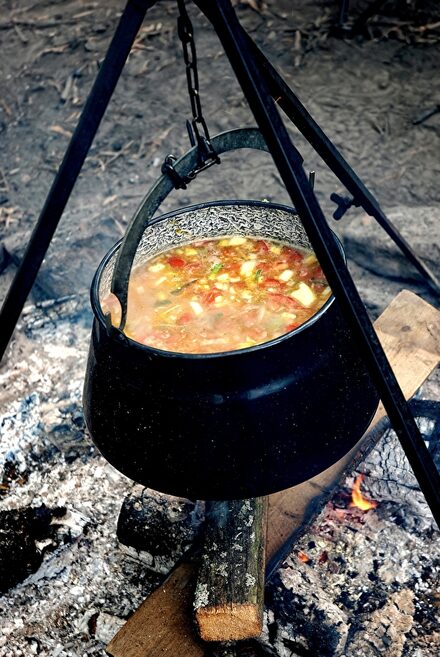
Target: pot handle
[{"x": 222, "y": 143}]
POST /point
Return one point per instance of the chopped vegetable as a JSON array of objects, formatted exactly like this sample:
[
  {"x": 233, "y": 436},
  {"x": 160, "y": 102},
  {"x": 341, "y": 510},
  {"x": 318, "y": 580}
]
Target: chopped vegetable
[
  {"x": 209, "y": 297},
  {"x": 286, "y": 275},
  {"x": 157, "y": 267},
  {"x": 273, "y": 284},
  {"x": 180, "y": 289},
  {"x": 281, "y": 301},
  {"x": 247, "y": 268},
  {"x": 197, "y": 308},
  {"x": 176, "y": 262},
  {"x": 237, "y": 241},
  {"x": 262, "y": 246},
  {"x": 304, "y": 294},
  {"x": 263, "y": 289}
]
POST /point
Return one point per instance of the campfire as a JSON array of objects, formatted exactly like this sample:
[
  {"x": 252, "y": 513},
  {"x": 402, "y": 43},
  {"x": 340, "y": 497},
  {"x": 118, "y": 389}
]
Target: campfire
[
  {"x": 353, "y": 573},
  {"x": 357, "y": 499}
]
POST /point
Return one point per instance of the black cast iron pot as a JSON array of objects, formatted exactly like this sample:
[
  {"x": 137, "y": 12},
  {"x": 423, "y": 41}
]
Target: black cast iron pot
[{"x": 229, "y": 425}]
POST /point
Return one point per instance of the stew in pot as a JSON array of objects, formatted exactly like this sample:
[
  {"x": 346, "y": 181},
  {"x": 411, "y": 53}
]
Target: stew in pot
[{"x": 221, "y": 294}]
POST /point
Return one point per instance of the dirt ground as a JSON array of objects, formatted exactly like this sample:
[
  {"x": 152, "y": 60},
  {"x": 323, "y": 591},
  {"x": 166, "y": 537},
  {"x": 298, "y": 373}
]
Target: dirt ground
[{"x": 365, "y": 93}]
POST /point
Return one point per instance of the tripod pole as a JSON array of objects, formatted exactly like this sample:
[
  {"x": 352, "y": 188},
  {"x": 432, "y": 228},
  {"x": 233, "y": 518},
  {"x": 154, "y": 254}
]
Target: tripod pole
[
  {"x": 300, "y": 117},
  {"x": 254, "y": 87},
  {"x": 62, "y": 186}
]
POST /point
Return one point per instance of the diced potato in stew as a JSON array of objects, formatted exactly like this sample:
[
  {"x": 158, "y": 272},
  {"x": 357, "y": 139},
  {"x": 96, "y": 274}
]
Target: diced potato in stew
[{"x": 220, "y": 295}]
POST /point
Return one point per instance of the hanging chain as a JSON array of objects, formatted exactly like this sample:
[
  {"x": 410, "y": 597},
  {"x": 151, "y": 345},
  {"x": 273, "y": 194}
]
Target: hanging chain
[
  {"x": 198, "y": 124},
  {"x": 197, "y": 128},
  {"x": 186, "y": 35}
]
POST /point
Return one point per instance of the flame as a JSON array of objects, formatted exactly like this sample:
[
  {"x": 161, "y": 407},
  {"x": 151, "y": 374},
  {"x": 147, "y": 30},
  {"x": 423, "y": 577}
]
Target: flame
[
  {"x": 302, "y": 556},
  {"x": 358, "y": 499}
]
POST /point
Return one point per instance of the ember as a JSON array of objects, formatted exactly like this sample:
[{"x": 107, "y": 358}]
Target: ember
[
  {"x": 358, "y": 500},
  {"x": 302, "y": 556}
]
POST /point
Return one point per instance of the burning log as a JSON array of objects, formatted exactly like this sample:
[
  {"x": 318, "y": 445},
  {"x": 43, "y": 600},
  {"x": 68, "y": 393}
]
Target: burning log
[
  {"x": 155, "y": 529},
  {"x": 229, "y": 594}
]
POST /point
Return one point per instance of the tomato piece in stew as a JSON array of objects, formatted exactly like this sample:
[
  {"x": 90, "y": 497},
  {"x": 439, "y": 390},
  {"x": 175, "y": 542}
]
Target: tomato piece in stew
[{"x": 220, "y": 295}]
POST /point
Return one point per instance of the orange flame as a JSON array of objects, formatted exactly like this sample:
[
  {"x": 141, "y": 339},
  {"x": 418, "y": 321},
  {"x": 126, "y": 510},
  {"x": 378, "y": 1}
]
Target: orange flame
[
  {"x": 302, "y": 556},
  {"x": 358, "y": 499}
]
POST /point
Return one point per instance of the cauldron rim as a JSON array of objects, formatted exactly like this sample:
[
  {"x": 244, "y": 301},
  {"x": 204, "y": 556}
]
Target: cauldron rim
[{"x": 99, "y": 315}]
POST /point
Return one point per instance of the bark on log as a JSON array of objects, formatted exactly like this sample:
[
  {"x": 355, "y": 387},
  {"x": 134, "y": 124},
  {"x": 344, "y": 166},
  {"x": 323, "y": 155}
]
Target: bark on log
[
  {"x": 409, "y": 330},
  {"x": 229, "y": 595}
]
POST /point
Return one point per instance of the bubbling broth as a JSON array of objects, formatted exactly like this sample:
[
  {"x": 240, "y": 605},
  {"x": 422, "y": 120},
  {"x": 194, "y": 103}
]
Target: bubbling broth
[{"x": 221, "y": 294}]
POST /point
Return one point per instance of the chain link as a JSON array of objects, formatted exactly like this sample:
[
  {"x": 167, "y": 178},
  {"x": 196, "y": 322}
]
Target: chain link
[{"x": 198, "y": 130}]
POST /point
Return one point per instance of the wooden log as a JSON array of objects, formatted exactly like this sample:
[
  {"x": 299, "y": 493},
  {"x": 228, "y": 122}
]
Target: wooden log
[
  {"x": 409, "y": 330},
  {"x": 169, "y": 627},
  {"x": 229, "y": 595},
  {"x": 156, "y": 529}
]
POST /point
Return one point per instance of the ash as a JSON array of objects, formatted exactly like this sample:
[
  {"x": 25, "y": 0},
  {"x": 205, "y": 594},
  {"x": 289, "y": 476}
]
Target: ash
[
  {"x": 357, "y": 583},
  {"x": 363, "y": 583},
  {"x": 79, "y": 585}
]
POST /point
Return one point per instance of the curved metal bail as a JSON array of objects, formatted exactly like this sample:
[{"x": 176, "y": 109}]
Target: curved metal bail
[{"x": 222, "y": 143}]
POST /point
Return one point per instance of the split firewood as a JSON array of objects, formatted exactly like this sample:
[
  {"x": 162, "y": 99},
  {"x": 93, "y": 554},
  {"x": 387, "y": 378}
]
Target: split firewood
[{"x": 230, "y": 587}]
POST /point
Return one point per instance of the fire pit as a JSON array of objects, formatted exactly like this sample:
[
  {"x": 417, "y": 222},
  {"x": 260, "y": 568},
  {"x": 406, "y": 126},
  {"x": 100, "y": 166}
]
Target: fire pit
[{"x": 87, "y": 587}]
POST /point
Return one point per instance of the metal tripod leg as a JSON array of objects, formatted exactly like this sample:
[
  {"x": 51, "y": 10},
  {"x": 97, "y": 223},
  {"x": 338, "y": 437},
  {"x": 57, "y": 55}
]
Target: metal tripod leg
[
  {"x": 300, "y": 117},
  {"x": 99, "y": 97},
  {"x": 225, "y": 22}
]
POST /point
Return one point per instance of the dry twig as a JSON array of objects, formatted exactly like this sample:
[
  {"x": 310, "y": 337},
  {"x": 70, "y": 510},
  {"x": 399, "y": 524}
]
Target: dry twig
[{"x": 9, "y": 216}]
